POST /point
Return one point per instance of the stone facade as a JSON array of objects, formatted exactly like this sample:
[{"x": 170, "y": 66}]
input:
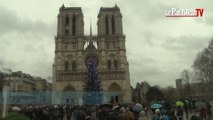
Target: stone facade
[
  {"x": 22, "y": 82},
  {"x": 22, "y": 88},
  {"x": 140, "y": 92},
  {"x": 73, "y": 49}
]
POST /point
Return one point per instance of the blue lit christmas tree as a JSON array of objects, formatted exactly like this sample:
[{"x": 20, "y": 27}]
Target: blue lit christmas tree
[
  {"x": 92, "y": 90},
  {"x": 92, "y": 93}
]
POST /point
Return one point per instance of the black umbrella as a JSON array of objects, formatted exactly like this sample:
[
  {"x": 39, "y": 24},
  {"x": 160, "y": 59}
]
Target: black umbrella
[{"x": 106, "y": 106}]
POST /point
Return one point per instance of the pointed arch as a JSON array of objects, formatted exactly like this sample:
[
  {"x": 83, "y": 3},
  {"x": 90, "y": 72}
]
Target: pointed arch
[
  {"x": 113, "y": 24},
  {"x": 109, "y": 67},
  {"x": 67, "y": 25},
  {"x": 73, "y": 25},
  {"x": 114, "y": 87},
  {"x": 66, "y": 32},
  {"x": 73, "y": 66},
  {"x": 107, "y": 24},
  {"x": 66, "y": 66},
  {"x": 69, "y": 88},
  {"x": 67, "y": 21},
  {"x": 115, "y": 64},
  {"x": 107, "y": 44}
]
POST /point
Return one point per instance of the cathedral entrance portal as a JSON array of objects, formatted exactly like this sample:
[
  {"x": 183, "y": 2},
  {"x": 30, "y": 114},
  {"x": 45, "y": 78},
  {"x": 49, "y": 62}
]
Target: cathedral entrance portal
[
  {"x": 69, "y": 95},
  {"x": 115, "y": 93}
]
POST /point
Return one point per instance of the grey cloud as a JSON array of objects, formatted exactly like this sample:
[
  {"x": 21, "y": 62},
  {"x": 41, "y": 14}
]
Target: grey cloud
[
  {"x": 145, "y": 10},
  {"x": 185, "y": 48},
  {"x": 142, "y": 68},
  {"x": 30, "y": 44},
  {"x": 185, "y": 43},
  {"x": 148, "y": 37},
  {"x": 10, "y": 22},
  {"x": 209, "y": 21},
  {"x": 4, "y": 67}
]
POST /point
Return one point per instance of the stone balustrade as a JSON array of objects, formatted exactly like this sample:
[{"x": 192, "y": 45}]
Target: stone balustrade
[{"x": 72, "y": 76}]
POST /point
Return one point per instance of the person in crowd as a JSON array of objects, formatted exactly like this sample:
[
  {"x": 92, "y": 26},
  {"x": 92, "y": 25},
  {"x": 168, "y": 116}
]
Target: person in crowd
[
  {"x": 122, "y": 114},
  {"x": 165, "y": 116},
  {"x": 100, "y": 114},
  {"x": 56, "y": 113},
  {"x": 88, "y": 114},
  {"x": 142, "y": 116},
  {"x": 146, "y": 111},
  {"x": 75, "y": 112},
  {"x": 179, "y": 113},
  {"x": 208, "y": 110},
  {"x": 186, "y": 108},
  {"x": 157, "y": 115},
  {"x": 202, "y": 113},
  {"x": 194, "y": 104},
  {"x": 194, "y": 117},
  {"x": 45, "y": 113},
  {"x": 171, "y": 115},
  {"x": 112, "y": 115},
  {"x": 130, "y": 115},
  {"x": 61, "y": 113},
  {"x": 68, "y": 111}
]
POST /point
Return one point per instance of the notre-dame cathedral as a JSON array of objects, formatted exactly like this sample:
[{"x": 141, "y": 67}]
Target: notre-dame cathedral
[{"x": 73, "y": 49}]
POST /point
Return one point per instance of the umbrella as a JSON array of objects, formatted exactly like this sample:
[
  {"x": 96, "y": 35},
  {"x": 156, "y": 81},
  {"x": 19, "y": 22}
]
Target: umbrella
[
  {"x": 106, "y": 106},
  {"x": 156, "y": 106},
  {"x": 55, "y": 106},
  {"x": 82, "y": 109},
  {"x": 179, "y": 104},
  {"x": 115, "y": 107},
  {"x": 15, "y": 108},
  {"x": 138, "y": 104},
  {"x": 137, "y": 108}
]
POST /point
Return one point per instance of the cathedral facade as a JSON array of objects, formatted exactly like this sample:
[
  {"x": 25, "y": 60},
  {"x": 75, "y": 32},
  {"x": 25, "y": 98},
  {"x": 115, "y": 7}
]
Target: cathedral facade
[{"x": 73, "y": 50}]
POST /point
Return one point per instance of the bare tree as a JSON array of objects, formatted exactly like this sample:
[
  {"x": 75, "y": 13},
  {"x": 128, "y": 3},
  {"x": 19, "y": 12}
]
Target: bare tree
[
  {"x": 185, "y": 76},
  {"x": 203, "y": 68},
  {"x": 204, "y": 64},
  {"x": 169, "y": 92}
]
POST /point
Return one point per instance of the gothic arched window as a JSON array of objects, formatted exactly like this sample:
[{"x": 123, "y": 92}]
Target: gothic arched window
[
  {"x": 109, "y": 65},
  {"x": 115, "y": 64},
  {"x": 114, "y": 44},
  {"x": 113, "y": 24},
  {"x": 73, "y": 25},
  {"x": 67, "y": 20},
  {"x": 107, "y": 45},
  {"x": 107, "y": 24},
  {"x": 66, "y": 66},
  {"x": 67, "y": 25},
  {"x": 73, "y": 66}
]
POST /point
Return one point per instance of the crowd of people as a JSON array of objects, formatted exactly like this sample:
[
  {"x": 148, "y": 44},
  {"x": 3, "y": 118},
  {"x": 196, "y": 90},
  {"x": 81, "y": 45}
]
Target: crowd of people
[{"x": 117, "y": 112}]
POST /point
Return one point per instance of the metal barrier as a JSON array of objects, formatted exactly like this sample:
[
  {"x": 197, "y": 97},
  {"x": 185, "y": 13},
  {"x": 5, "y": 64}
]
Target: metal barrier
[{"x": 57, "y": 97}]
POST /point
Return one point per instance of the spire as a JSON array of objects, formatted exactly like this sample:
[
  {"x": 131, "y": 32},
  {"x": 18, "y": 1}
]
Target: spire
[
  {"x": 90, "y": 46},
  {"x": 90, "y": 28},
  {"x": 63, "y": 6}
]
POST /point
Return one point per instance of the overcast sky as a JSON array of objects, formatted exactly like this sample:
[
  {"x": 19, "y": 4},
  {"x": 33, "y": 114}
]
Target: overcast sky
[{"x": 158, "y": 48}]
